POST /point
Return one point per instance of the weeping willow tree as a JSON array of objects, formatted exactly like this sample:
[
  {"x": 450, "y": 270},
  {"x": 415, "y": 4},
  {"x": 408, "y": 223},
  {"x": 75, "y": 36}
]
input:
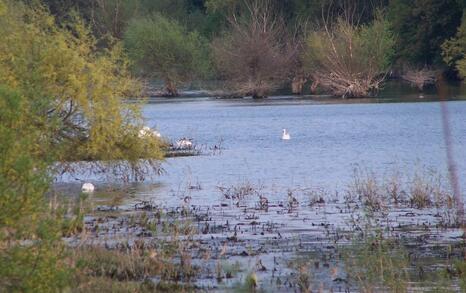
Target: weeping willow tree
[
  {"x": 79, "y": 89},
  {"x": 350, "y": 60},
  {"x": 61, "y": 102},
  {"x": 32, "y": 257}
]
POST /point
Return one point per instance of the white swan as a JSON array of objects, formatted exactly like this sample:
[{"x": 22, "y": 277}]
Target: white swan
[
  {"x": 87, "y": 187},
  {"x": 147, "y": 131},
  {"x": 184, "y": 143},
  {"x": 156, "y": 133},
  {"x": 285, "y": 135}
]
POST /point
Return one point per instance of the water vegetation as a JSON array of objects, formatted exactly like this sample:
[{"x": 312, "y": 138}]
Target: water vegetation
[{"x": 373, "y": 241}]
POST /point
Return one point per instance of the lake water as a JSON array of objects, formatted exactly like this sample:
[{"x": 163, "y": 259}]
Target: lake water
[{"x": 327, "y": 140}]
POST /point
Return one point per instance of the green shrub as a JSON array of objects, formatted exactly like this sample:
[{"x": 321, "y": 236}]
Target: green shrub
[
  {"x": 77, "y": 90},
  {"x": 31, "y": 251},
  {"x": 350, "y": 60},
  {"x": 163, "y": 49},
  {"x": 454, "y": 50}
]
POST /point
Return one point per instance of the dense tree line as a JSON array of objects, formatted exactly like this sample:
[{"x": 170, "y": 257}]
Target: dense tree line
[
  {"x": 454, "y": 49},
  {"x": 423, "y": 31}
]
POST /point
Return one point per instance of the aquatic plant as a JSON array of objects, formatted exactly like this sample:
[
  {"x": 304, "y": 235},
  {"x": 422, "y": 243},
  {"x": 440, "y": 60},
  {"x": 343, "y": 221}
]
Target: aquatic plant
[
  {"x": 424, "y": 189},
  {"x": 240, "y": 191},
  {"x": 378, "y": 264},
  {"x": 132, "y": 265},
  {"x": 366, "y": 189}
]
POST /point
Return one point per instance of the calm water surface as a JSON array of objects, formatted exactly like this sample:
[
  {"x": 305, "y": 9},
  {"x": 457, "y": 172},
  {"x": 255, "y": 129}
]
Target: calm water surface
[{"x": 327, "y": 140}]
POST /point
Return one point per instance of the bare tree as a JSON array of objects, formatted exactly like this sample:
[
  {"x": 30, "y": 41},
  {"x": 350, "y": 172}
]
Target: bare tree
[
  {"x": 297, "y": 83},
  {"x": 348, "y": 59},
  {"x": 420, "y": 77},
  {"x": 299, "y": 77},
  {"x": 257, "y": 54},
  {"x": 112, "y": 16}
]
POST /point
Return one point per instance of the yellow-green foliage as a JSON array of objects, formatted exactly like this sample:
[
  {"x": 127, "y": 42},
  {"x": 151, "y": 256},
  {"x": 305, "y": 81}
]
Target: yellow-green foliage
[
  {"x": 78, "y": 88},
  {"x": 378, "y": 265},
  {"x": 355, "y": 47},
  {"x": 60, "y": 100},
  {"x": 349, "y": 60},
  {"x": 30, "y": 248},
  {"x": 162, "y": 48}
]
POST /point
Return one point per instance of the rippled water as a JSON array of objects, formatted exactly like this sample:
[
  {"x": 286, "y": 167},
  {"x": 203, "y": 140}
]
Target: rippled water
[{"x": 327, "y": 140}]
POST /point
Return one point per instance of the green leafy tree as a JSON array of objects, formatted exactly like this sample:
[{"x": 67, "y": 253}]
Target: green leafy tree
[
  {"x": 177, "y": 9},
  {"x": 60, "y": 101},
  {"x": 61, "y": 9},
  {"x": 163, "y": 49},
  {"x": 112, "y": 16},
  {"x": 421, "y": 27},
  {"x": 31, "y": 252},
  {"x": 78, "y": 88},
  {"x": 222, "y": 5},
  {"x": 454, "y": 50}
]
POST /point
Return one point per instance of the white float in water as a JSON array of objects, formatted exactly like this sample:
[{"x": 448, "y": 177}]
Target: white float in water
[
  {"x": 87, "y": 187},
  {"x": 285, "y": 135}
]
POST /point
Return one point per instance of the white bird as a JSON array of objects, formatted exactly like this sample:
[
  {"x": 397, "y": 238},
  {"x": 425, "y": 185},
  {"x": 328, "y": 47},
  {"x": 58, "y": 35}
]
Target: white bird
[
  {"x": 184, "y": 143},
  {"x": 144, "y": 131},
  {"x": 147, "y": 131},
  {"x": 285, "y": 135},
  {"x": 156, "y": 133},
  {"x": 87, "y": 187}
]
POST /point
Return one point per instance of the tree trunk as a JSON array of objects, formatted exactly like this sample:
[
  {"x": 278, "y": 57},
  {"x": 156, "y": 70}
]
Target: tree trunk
[
  {"x": 258, "y": 94},
  {"x": 314, "y": 86},
  {"x": 170, "y": 89},
  {"x": 297, "y": 84}
]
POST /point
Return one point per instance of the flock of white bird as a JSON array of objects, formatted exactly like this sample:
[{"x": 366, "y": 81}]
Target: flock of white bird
[
  {"x": 147, "y": 131},
  {"x": 184, "y": 143}
]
